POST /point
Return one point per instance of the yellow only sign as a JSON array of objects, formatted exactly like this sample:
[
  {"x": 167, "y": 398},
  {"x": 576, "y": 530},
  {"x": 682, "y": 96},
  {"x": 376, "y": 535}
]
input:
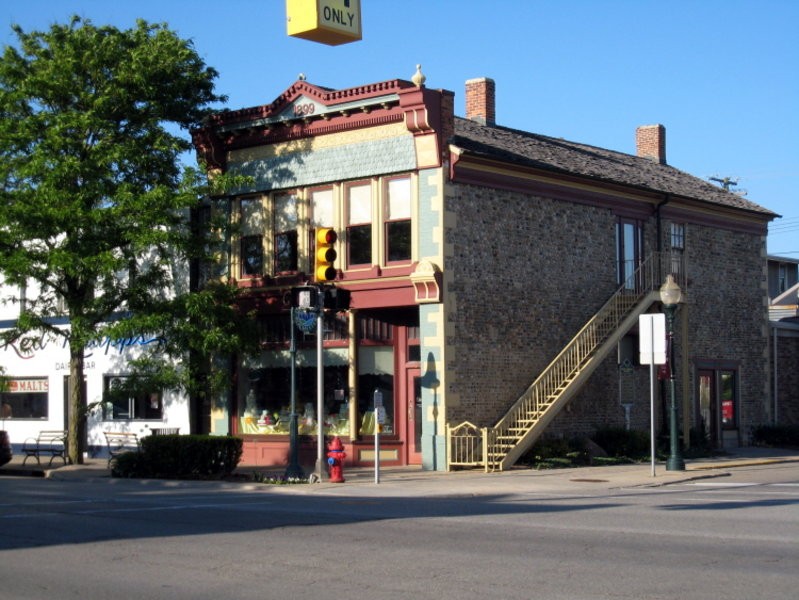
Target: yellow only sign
[{"x": 330, "y": 22}]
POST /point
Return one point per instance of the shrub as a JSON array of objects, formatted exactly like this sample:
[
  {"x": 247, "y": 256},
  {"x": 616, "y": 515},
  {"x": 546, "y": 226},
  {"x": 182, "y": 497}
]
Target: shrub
[
  {"x": 129, "y": 464},
  {"x": 554, "y": 454},
  {"x": 180, "y": 457},
  {"x": 620, "y": 442},
  {"x": 780, "y": 436}
]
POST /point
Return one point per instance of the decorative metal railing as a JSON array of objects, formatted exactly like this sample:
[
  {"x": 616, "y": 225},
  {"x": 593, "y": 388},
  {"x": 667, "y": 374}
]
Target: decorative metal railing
[{"x": 498, "y": 447}]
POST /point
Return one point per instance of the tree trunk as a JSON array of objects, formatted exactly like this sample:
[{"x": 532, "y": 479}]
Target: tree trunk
[{"x": 76, "y": 411}]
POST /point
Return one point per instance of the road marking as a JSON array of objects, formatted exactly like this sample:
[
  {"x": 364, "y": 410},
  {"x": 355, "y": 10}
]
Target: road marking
[{"x": 721, "y": 484}]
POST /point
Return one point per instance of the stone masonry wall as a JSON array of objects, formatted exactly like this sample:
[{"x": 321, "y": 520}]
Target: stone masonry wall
[
  {"x": 727, "y": 315},
  {"x": 527, "y": 273}
]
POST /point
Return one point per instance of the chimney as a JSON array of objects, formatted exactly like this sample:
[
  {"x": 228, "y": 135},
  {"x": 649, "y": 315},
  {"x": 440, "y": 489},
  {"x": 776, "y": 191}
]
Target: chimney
[
  {"x": 480, "y": 105},
  {"x": 650, "y": 142}
]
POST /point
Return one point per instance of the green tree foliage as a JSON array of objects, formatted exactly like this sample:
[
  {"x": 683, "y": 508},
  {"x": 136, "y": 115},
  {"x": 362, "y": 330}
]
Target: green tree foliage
[{"x": 94, "y": 204}]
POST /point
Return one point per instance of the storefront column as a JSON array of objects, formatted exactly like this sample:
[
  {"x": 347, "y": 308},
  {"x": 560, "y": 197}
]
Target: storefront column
[{"x": 352, "y": 372}]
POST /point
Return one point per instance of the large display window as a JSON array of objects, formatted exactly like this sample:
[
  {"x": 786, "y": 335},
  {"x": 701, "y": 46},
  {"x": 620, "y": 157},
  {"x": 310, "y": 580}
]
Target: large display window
[
  {"x": 265, "y": 400},
  {"x": 126, "y": 399},
  {"x": 26, "y": 398}
]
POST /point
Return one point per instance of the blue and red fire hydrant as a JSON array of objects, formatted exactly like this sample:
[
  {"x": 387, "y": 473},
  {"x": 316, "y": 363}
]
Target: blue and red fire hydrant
[{"x": 335, "y": 458}]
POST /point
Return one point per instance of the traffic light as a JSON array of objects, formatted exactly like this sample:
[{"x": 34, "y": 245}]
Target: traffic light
[
  {"x": 325, "y": 254},
  {"x": 336, "y": 298}
]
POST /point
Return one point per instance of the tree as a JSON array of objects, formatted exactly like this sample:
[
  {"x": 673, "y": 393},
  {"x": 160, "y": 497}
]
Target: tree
[{"x": 93, "y": 206}]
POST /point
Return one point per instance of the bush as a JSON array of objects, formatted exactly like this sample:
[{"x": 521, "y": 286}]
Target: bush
[
  {"x": 554, "y": 454},
  {"x": 180, "y": 457},
  {"x": 778, "y": 436},
  {"x": 620, "y": 442}
]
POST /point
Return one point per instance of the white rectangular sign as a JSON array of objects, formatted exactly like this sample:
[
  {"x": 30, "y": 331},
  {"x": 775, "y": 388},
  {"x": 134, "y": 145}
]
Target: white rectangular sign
[{"x": 652, "y": 339}]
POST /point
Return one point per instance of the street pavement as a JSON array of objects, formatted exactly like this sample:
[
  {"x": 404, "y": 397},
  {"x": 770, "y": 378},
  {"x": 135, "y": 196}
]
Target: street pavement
[{"x": 414, "y": 482}]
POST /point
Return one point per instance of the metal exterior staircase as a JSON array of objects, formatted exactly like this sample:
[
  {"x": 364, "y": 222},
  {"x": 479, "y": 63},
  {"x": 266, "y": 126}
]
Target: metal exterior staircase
[{"x": 499, "y": 447}]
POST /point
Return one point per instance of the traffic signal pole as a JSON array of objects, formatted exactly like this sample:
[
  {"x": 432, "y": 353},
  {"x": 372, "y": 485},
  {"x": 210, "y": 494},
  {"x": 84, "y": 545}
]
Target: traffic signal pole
[{"x": 320, "y": 390}]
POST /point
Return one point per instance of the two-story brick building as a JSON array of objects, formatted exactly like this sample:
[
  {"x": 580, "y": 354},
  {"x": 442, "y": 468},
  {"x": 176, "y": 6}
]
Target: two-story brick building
[{"x": 495, "y": 277}]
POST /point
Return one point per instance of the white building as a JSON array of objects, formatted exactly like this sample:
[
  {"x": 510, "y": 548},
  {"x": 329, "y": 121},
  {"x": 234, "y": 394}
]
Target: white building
[{"x": 37, "y": 370}]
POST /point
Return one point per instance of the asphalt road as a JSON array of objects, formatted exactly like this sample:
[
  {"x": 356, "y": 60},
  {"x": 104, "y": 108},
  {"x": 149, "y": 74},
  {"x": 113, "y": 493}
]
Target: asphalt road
[{"x": 734, "y": 537}]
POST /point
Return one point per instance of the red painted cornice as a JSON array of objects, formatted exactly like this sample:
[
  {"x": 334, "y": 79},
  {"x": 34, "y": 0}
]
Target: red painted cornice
[{"x": 360, "y": 107}]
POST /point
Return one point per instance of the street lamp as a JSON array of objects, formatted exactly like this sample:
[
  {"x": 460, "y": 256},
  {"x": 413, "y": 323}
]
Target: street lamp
[
  {"x": 670, "y": 296},
  {"x": 293, "y": 469}
]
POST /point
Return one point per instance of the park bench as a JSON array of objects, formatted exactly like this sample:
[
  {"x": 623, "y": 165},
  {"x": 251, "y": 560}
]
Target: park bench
[
  {"x": 47, "y": 443},
  {"x": 120, "y": 442}
]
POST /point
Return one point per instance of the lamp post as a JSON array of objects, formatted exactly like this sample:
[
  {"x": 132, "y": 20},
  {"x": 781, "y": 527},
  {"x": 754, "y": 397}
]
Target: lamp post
[
  {"x": 293, "y": 469},
  {"x": 670, "y": 296}
]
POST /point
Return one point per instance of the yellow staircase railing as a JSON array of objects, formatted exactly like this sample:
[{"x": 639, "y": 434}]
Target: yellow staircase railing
[{"x": 499, "y": 447}]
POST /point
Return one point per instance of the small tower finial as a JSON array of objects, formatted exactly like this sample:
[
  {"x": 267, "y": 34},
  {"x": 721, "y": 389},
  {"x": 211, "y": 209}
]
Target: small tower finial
[
  {"x": 301, "y": 77},
  {"x": 418, "y": 78}
]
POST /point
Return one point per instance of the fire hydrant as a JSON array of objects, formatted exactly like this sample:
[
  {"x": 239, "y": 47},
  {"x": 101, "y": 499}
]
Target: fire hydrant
[{"x": 335, "y": 458}]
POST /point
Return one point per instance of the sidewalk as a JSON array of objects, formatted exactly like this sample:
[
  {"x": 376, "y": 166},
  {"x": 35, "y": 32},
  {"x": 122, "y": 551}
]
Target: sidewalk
[{"x": 416, "y": 481}]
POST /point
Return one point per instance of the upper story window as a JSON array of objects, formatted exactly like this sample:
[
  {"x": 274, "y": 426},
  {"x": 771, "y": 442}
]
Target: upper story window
[
  {"x": 677, "y": 243},
  {"x": 251, "y": 251},
  {"x": 275, "y": 232},
  {"x": 285, "y": 233},
  {"x": 359, "y": 224},
  {"x": 322, "y": 215},
  {"x": 678, "y": 236},
  {"x": 782, "y": 278},
  {"x": 398, "y": 219},
  {"x": 252, "y": 256},
  {"x": 629, "y": 252}
]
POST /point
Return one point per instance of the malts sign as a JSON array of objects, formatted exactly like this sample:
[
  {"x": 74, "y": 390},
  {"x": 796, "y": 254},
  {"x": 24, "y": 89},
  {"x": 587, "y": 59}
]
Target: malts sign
[{"x": 24, "y": 386}]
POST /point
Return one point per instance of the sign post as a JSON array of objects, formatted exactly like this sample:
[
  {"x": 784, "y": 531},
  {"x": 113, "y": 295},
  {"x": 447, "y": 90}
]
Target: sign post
[
  {"x": 652, "y": 351},
  {"x": 380, "y": 418}
]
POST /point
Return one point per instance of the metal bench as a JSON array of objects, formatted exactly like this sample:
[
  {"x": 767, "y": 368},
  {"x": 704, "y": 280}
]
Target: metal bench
[
  {"x": 48, "y": 443},
  {"x": 121, "y": 442}
]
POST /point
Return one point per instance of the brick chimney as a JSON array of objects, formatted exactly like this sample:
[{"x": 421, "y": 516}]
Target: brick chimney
[
  {"x": 480, "y": 104},
  {"x": 650, "y": 142}
]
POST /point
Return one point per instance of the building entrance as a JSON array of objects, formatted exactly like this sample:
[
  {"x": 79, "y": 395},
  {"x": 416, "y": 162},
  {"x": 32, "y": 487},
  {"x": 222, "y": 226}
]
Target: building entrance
[
  {"x": 413, "y": 411},
  {"x": 718, "y": 413}
]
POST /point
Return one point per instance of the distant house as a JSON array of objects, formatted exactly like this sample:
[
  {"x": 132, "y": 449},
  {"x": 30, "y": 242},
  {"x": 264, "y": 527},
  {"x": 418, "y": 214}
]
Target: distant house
[
  {"x": 495, "y": 278},
  {"x": 783, "y": 291}
]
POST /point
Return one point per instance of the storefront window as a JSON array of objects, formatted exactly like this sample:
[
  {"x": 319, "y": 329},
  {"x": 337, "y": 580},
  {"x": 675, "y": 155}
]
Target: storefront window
[
  {"x": 265, "y": 408},
  {"x": 25, "y": 398},
  {"x": 126, "y": 399},
  {"x": 376, "y": 372}
]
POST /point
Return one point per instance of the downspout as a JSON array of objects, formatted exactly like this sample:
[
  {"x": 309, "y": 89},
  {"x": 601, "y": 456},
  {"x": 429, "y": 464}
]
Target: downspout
[{"x": 659, "y": 225}]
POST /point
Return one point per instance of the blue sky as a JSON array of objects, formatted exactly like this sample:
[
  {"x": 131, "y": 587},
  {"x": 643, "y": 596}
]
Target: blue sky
[{"x": 721, "y": 75}]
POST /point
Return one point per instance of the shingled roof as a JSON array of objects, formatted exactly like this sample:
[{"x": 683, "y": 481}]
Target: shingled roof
[{"x": 561, "y": 156}]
